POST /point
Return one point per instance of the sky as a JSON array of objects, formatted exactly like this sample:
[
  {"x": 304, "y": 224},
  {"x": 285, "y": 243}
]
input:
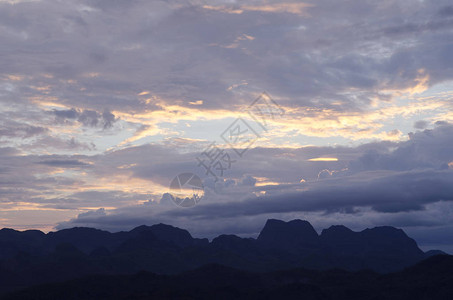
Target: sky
[{"x": 336, "y": 112}]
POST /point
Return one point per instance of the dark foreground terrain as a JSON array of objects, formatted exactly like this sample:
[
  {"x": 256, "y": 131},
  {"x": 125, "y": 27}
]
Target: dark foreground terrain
[
  {"x": 430, "y": 279},
  {"x": 160, "y": 259}
]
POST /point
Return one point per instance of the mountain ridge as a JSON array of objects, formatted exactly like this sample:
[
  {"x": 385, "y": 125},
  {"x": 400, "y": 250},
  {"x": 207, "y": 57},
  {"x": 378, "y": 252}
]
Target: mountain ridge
[
  {"x": 27, "y": 256},
  {"x": 280, "y": 233}
]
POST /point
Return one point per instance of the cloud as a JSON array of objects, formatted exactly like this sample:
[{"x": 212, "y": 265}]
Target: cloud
[
  {"x": 335, "y": 76},
  {"x": 23, "y": 131},
  {"x": 58, "y": 144},
  {"x": 347, "y": 56},
  {"x": 87, "y": 117},
  {"x": 426, "y": 149},
  {"x": 421, "y": 124},
  {"x": 446, "y": 11},
  {"x": 285, "y": 7},
  {"x": 64, "y": 163}
]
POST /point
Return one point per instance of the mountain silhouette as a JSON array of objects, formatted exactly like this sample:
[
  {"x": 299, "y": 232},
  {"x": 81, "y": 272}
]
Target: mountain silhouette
[
  {"x": 427, "y": 280},
  {"x": 293, "y": 235},
  {"x": 32, "y": 257}
]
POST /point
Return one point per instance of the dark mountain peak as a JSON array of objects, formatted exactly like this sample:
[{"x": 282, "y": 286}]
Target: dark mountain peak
[
  {"x": 232, "y": 242},
  {"x": 337, "y": 232},
  {"x": 226, "y": 238},
  {"x": 337, "y": 229},
  {"x": 164, "y": 228},
  {"x": 390, "y": 240},
  {"x": 140, "y": 228},
  {"x": 84, "y": 238},
  {"x": 300, "y": 223},
  {"x": 12, "y": 234},
  {"x": 294, "y": 227},
  {"x": 168, "y": 233},
  {"x": 78, "y": 234},
  {"x": 3, "y": 230},
  {"x": 34, "y": 232},
  {"x": 78, "y": 231},
  {"x": 9, "y": 232},
  {"x": 386, "y": 232},
  {"x": 274, "y": 222},
  {"x": 178, "y": 236},
  {"x": 287, "y": 234}
]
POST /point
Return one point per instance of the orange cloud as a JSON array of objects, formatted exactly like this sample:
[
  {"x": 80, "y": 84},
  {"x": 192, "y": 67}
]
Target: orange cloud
[
  {"x": 293, "y": 8},
  {"x": 323, "y": 159}
]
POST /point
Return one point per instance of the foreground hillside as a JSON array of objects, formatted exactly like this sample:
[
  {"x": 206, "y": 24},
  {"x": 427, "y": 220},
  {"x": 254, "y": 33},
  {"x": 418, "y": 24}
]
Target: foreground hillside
[{"x": 430, "y": 279}]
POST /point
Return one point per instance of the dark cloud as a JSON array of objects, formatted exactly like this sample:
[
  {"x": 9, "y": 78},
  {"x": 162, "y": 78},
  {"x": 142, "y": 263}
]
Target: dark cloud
[
  {"x": 418, "y": 28},
  {"x": 8, "y": 151},
  {"x": 56, "y": 143},
  {"x": 11, "y": 129},
  {"x": 108, "y": 118},
  {"x": 70, "y": 163},
  {"x": 446, "y": 11},
  {"x": 103, "y": 55},
  {"x": 421, "y": 124},
  {"x": 426, "y": 149},
  {"x": 87, "y": 117},
  {"x": 67, "y": 114},
  {"x": 393, "y": 193}
]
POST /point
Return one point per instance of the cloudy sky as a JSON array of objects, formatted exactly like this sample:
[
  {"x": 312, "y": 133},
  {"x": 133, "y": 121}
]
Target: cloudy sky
[{"x": 104, "y": 102}]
